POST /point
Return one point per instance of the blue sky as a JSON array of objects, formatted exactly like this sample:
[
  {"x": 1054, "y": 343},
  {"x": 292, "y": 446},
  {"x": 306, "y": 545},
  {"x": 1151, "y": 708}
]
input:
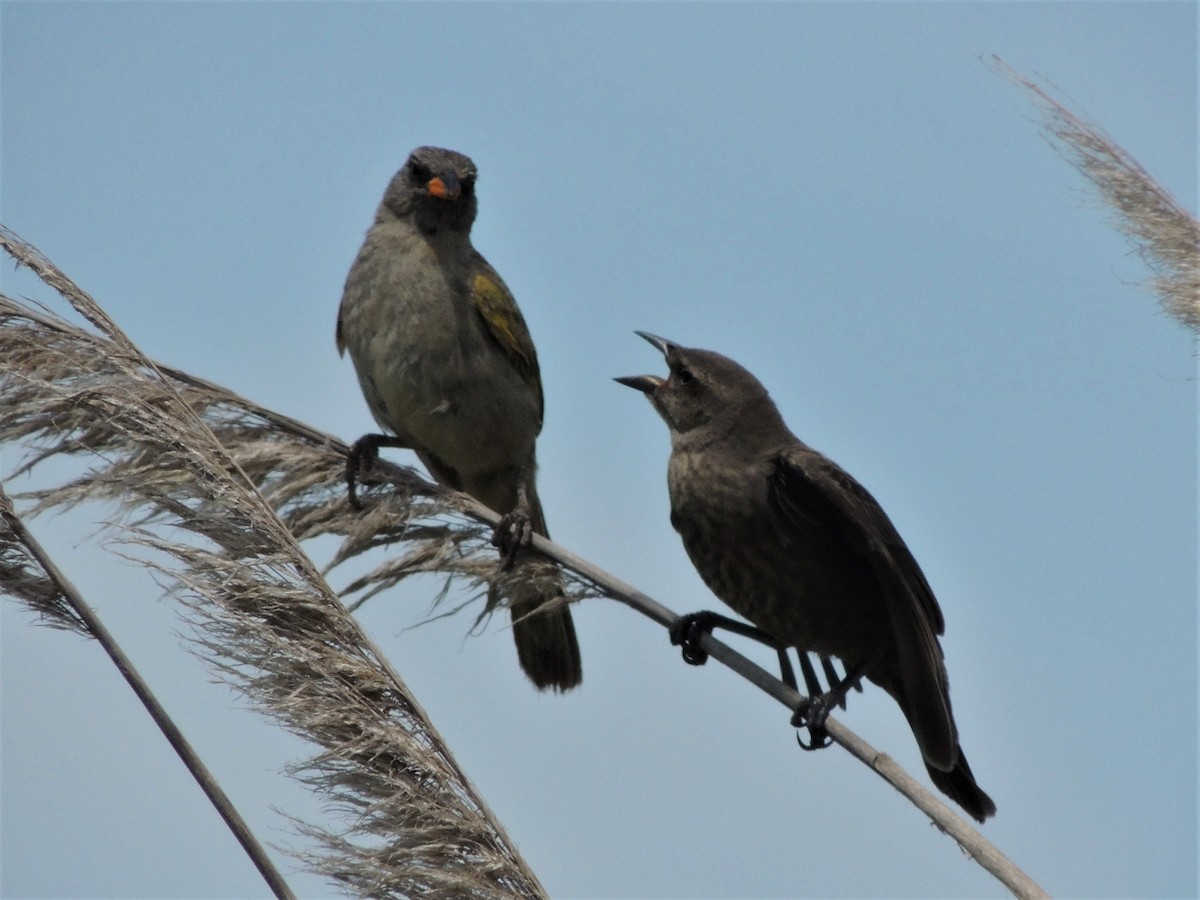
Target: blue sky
[{"x": 839, "y": 195}]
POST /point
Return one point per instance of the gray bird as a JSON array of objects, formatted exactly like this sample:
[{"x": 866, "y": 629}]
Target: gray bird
[
  {"x": 791, "y": 541},
  {"x": 447, "y": 366}
]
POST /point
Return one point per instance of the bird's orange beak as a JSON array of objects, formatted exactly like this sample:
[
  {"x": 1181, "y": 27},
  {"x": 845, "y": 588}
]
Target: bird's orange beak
[{"x": 444, "y": 187}]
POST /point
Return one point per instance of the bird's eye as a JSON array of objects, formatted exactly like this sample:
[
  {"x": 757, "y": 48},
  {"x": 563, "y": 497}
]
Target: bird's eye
[
  {"x": 468, "y": 186},
  {"x": 419, "y": 172},
  {"x": 684, "y": 376}
]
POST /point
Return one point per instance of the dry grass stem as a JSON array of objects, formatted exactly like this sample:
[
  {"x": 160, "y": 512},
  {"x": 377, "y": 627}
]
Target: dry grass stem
[{"x": 37, "y": 581}]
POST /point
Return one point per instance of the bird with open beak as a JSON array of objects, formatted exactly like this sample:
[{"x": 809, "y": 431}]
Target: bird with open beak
[{"x": 788, "y": 539}]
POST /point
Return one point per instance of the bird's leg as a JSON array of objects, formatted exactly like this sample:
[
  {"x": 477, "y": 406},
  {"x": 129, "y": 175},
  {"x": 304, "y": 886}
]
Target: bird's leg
[
  {"x": 515, "y": 528},
  {"x": 811, "y": 684},
  {"x": 362, "y": 455},
  {"x": 811, "y": 712},
  {"x": 788, "y": 675},
  {"x": 687, "y": 630},
  {"x": 832, "y": 675}
]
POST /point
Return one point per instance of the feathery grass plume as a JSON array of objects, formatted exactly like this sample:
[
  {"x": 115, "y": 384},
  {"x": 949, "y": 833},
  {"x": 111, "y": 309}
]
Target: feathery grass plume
[
  {"x": 263, "y": 614},
  {"x": 1165, "y": 235},
  {"x": 28, "y": 573},
  {"x": 23, "y": 577},
  {"x": 301, "y": 472}
]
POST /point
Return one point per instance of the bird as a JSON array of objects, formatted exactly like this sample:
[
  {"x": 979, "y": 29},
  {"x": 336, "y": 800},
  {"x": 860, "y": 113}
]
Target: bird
[
  {"x": 449, "y": 370},
  {"x": 792, "y": 542}
]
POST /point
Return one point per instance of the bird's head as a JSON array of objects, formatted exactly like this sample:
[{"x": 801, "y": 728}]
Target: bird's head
[
  {"x": 702, "y": 390},
  {"x": 435, "y": 190}
]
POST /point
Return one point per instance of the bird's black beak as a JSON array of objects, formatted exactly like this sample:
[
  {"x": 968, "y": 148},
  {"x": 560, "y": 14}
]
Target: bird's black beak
[
  {"x": 662, "y": 344},
  {"x": 646, "y": 383},
  {"x": 445, "y": 186}
]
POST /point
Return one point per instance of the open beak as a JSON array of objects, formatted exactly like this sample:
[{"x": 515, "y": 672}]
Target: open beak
[
  {"x": 661, "y": 343},
  {"x": 646, "y": 383}
]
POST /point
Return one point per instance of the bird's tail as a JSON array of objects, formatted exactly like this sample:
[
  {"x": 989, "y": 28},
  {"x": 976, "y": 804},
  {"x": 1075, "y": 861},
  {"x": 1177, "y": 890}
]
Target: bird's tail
[
  {"x": 957, "y": 781},
  {"x": 959, "y": 785},
  {"x": 546, "y": 645}
]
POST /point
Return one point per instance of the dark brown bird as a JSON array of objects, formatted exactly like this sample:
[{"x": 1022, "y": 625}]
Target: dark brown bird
[
  {"x": 448, "y": 367},
  {"x": 792, "y": 542}
]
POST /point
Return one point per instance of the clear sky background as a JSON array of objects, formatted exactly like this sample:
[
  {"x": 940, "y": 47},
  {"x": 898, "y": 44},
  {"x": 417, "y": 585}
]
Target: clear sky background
[{"x": 842, "y": 197}]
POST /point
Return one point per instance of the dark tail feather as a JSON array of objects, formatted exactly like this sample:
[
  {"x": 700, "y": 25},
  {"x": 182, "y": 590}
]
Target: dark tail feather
[
  {"x": 546, "y": 644},
  {"x": 959, "y": 785}
]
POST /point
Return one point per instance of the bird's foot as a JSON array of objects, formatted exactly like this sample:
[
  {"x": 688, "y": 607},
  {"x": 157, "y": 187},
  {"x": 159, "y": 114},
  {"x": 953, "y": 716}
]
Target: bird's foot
[
  {"x": 359, "y": 461},
  {"x": 687, "y": 630},
  {"x": 811, "y": 713},
  {"x": 513, "y": 533},
  {"x": 362, "y": 457}
]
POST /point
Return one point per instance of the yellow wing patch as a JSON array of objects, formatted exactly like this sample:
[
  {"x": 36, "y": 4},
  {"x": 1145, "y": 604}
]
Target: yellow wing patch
[{"x": 505, "y": 323}]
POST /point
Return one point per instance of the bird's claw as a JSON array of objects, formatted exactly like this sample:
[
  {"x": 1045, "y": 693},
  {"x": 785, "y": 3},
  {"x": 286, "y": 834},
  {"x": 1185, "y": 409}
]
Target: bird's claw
[
  {"x": 359, "y": 460},
  {"x": 811, "y": 713},
  {"x": 513, "y": 533},
  {"x": 686, "y": 632},
  {"x": 818, "y": 740}
]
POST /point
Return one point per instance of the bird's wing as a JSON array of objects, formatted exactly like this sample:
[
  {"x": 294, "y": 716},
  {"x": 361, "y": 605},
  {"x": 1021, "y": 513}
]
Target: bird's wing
[
  {"x": 351, "y": 289},
  {"x": 504, "y": 322},
  {"x": 338, "y": 337},
  {"x": 808, "y": 490}
]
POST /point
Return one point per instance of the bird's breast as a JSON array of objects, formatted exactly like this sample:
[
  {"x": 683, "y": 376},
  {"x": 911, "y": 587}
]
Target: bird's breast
[
  {"x": 794, "y": 585},
  {"x": 429, "y": 371}
]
